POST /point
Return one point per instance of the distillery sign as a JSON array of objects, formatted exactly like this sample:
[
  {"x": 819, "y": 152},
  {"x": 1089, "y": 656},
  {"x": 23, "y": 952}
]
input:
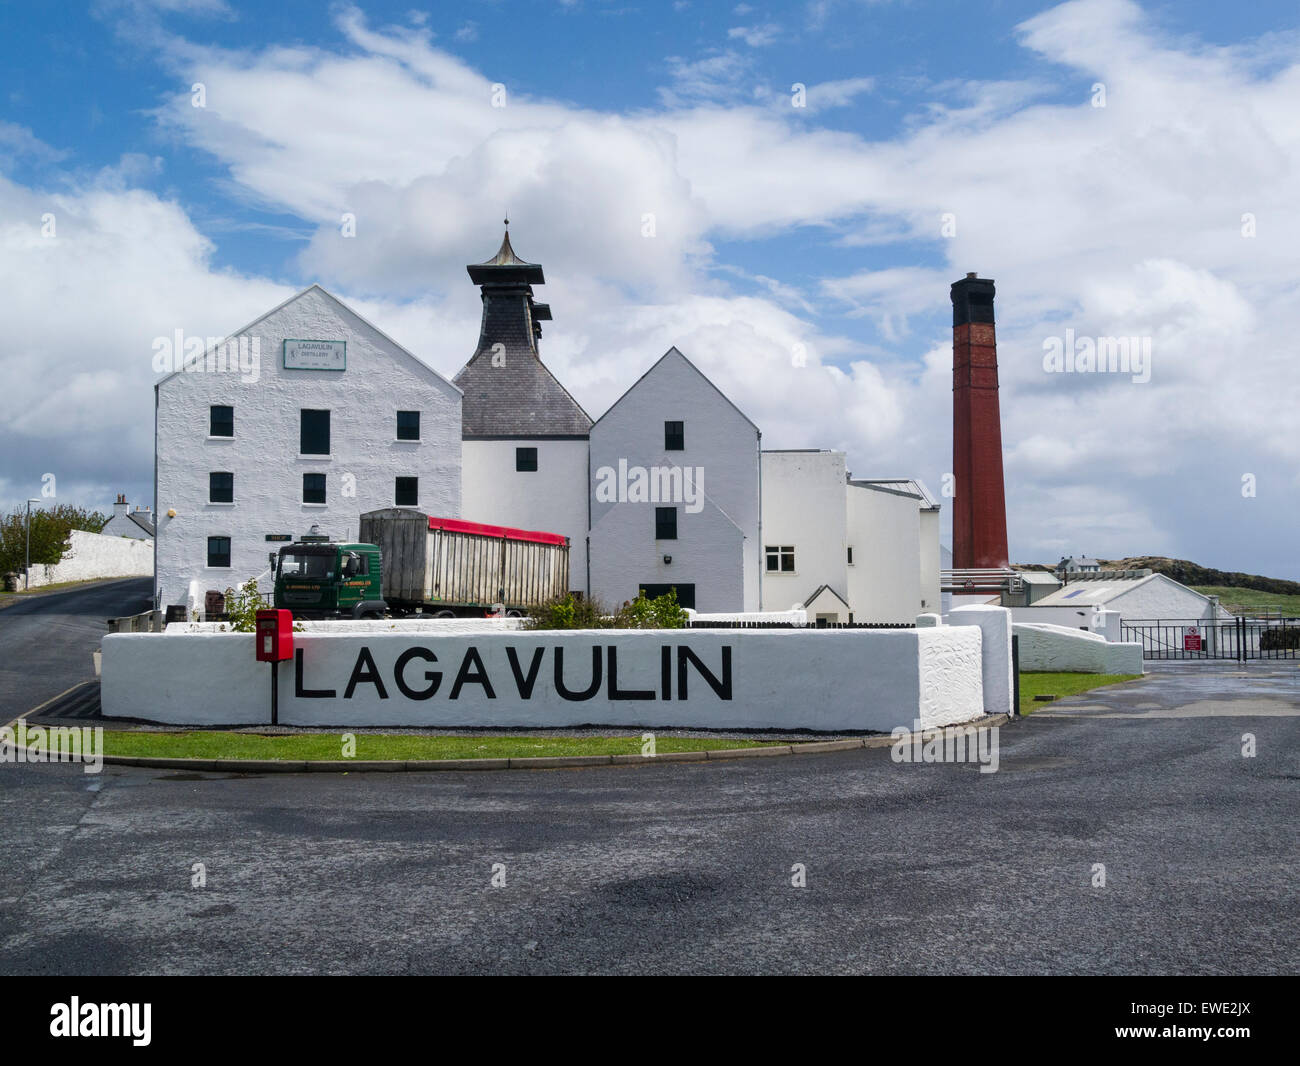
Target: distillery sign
[
  {"x": 529, "y": 672},
  {"x": 315, "y": 355}
]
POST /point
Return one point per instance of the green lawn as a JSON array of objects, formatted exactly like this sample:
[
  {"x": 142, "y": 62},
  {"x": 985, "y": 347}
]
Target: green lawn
[
  {"x": 372, "y": 746},
  {"x": 1251, "y": 598},
  {"x": 1061, "y": 685}
]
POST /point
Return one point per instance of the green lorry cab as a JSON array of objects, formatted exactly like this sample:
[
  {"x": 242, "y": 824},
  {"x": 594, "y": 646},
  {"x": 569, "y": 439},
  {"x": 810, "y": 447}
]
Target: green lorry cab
[{"x": 319, "y": 579}]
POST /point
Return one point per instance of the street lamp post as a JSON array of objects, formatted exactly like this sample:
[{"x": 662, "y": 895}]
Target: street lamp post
[{"x": 27, "y": 564}]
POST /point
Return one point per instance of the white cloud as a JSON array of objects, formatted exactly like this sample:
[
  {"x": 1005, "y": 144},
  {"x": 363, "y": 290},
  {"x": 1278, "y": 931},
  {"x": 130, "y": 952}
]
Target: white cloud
[
  {"x": 759, "y": 36},
  {"x": 1121, "y": 221}
]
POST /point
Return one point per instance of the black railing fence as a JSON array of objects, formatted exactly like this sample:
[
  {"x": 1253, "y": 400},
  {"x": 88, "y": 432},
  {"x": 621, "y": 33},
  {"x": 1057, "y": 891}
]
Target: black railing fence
[{"x": 1239, "y": 639}]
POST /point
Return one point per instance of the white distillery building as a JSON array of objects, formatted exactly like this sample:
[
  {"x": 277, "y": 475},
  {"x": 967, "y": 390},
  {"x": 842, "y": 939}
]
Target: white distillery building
[
  {"x": 675, "y": 493},
  {"x": 846, "y": 550},
  {"x": 307, "y": 416},
  {"x": 312, "y": 416},
  {"x": 137, "y": 524},
  {"x": 524, "y": 452}
]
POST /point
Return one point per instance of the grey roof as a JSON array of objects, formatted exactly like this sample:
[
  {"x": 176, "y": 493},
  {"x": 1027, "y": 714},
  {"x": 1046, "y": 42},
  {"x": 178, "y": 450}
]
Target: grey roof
[
  {"x": 820, "y": 590},
  {"x": 140, "y": 520},
  {"x": 509, "y": 393},
  {"x": 899, "y": 486}
]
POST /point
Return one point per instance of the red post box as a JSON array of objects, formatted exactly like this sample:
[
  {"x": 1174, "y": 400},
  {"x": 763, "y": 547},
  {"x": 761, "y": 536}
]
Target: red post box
[{"x": 274, "y": 636}]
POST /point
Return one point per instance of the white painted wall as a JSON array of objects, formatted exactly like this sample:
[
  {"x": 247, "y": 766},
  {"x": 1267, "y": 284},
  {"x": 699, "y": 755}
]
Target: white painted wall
[
  {"x": 93, "y": 555},
  {"x": 931, "y": 597},
  {"x": 718, "y": 548},
  {"x": 1059, "y": 648},
  {"x": 827, "y": 680},
  {"x": 1085, "y": 619},
  {"x": 805, "y": 506},
  {"x": 380, "y": 378},
  {"x": 1163, "y": 597},
  {"x": 885, "y": 531},
  {"x": 995, "y": 649},
  {"x": 552, "y": 499}
]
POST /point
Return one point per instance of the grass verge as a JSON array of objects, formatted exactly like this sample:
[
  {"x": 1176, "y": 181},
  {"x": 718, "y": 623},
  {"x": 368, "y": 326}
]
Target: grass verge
[
  {"x": 1248, "y": 599},
  {"x": 375, "y": 746},
  {"x": 1062, "y": 684}
]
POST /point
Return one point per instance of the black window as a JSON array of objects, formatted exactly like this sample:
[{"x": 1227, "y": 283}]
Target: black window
[
  {"x": 313, "y": 488},
  {"x": 526, "y": 459},
  {"x": 674, "y": 436},
  {"x": 780, "y": 558},
  {"x": 221, "y": 487},
  {"x": 850, "y": 555},
  {"x": 221, "y": 421},
  {"x": 408, "y": 425},
  {"x": 665, "y": 523},
  {"x": 407, "y": 492},
  {"x": 314, "y": 435},
  {"x": 219, "y": 551}
]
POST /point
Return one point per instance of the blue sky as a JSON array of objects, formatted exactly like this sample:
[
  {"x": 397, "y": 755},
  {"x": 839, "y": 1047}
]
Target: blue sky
[{"x": 777, "y": 227}]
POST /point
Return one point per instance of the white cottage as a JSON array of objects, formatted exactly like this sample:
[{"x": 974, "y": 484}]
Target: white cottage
[
  {"x": 137, "y": 524},
  {"x": 674, "y": 493},
  {"x": 307, "y": 416},
  {"x": 525, "y": 439}
]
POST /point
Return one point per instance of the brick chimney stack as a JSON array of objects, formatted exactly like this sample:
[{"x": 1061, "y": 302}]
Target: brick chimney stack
[
  {"x": 120, "y": 506},
  {"x": 979, "y": 521}
]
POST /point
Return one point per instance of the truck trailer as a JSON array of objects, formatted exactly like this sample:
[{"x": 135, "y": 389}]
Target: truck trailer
[
  {"x": 449, "y": 567},
  {"x": 406, "y": 562}
]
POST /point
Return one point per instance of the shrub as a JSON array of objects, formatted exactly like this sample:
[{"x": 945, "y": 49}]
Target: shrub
[
  {"x": 567, "y": 612},
  {"x": 1287, "y": 638},
  {"x": 242, "y": 607}
]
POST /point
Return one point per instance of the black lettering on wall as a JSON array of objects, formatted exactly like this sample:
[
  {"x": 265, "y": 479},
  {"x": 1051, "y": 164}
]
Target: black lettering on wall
[
  {"x": 434, "y": 677},
  {"x": 300, "y": 690},
  {"x": 525, "y": 682},
  {"x": 630, "y": 694},
  {"x": 721, "y": 688},
  {"x": 478, "y": 677},
  {"x": 596, "y": 673},
  {"x": 370, "y": 675}
]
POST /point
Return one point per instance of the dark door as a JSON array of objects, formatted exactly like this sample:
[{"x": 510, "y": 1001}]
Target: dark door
[{"x": 685, "y": 593}]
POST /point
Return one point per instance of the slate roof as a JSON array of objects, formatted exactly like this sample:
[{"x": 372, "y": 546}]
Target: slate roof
[
  {"x": 141, "y": 521},
  {"x": 509, "y": 392}
]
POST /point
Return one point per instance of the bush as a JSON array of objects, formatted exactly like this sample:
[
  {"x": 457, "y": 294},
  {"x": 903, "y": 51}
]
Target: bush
[
  {"x": 1287, "y": 638},
  {"x": 50, "y": 534},
  {"x": 242, "y": 607},
  {"x": 567, "y": 612}
]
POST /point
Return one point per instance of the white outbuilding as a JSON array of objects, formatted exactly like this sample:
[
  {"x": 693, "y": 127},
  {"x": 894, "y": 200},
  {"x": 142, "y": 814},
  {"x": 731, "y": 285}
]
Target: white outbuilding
[{"x": 847, "y": 550}]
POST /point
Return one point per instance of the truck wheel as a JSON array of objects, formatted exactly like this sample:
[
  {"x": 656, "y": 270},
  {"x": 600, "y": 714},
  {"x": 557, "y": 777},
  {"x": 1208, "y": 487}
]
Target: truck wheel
[
  {"x": 445, "y": 614},
  {"x": 370, "y": 616}
]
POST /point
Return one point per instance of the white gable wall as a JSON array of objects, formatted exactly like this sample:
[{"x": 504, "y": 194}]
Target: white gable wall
[
  {"x": 885, "y": 579},
  {"x": 552, "y": 499},
  {"x": 366, "y": 456},
  {"x": 804, "y": 507},
  {"x": 718, "y": 548}
]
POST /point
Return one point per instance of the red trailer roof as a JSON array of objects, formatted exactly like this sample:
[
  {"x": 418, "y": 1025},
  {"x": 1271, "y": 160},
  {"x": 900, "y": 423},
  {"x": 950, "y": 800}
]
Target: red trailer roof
[{"x": 455, "y": 525}]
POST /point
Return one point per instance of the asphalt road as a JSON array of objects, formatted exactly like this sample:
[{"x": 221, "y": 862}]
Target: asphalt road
[
  {"x": 687, "y": 868},
  {"x": 46, "y": 640}
]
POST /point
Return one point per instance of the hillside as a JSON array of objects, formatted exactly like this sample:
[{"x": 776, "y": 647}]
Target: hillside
[{"x": 1232, "y": 587}]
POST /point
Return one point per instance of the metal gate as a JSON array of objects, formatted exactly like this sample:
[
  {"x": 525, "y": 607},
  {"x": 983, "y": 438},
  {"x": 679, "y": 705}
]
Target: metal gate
[{"x": 1239, "y": 639}]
